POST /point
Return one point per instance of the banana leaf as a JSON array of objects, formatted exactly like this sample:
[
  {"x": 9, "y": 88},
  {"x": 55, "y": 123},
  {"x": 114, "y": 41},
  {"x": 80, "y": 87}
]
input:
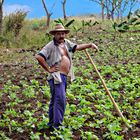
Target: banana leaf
[
  {"x": 122, "y": 30},
  {"x": 59, "y": 21},
  {"x": 114, "y": 25},
  {"x": 137, "y": 23},
  {"x": 69, "y": 23},
  {"x": 122, "y": 23},
  {"x": 132, "y": 20}
]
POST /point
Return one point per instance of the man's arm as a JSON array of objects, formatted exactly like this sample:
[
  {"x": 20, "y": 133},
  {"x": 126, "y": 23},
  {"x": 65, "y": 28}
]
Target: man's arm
[
  {"x": 85, "y": 46},
  {"x": 43, "y": 63}
]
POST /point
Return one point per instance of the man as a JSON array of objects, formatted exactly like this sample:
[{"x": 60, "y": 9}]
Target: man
[{"x": 56, "y": 59}]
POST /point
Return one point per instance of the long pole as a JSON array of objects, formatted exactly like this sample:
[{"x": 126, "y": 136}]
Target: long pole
[{"x": 106, "y": 89}]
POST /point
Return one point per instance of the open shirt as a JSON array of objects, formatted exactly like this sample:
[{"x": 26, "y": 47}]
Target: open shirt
[{"x": 52, "y": 55}]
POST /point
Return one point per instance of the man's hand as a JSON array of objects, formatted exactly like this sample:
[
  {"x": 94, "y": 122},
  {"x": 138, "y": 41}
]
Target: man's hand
[
  {"x": 93, "y": 46},
  {"x": 54, "y": 68}
]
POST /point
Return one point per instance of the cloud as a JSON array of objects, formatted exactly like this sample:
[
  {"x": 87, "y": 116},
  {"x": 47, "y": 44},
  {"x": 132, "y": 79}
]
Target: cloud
[{"x": 15, "y": 7}]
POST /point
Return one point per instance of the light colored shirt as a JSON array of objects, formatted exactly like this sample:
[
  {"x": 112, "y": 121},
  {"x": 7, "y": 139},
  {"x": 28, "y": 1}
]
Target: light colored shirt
[{"x": 52, "y": 55}]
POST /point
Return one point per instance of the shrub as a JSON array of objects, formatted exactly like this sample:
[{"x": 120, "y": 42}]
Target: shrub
[{"x": 14, "y": 22}]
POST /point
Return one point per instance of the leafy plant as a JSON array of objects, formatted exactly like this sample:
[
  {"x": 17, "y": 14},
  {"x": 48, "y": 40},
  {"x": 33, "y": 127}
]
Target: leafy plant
[
  {"x": 14, "y": 22},
  {"x": 63, "y": 133},
  {"x": 24, "y": 101},
  {"x": 67, "y": 24},
  {"x": 3, "y": 136},
  {"x": 89, "y": 135},
  {"x": 124, "y": 26},
  {"x": 43, "y": 123},
  {"x": 35, "y": 136}
]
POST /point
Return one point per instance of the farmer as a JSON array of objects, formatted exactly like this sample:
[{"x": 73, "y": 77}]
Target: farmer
[{"x": 56, "y": 59}]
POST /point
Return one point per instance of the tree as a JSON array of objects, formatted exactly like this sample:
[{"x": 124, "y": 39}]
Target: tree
[
  {"x": 47, "y": 13},
  {"x": 110, "y": 6},
  {"x": 64, "y": 8},
  {"x": 132, "y": 4},
  {"x": 124, "y": 5},
  {"x": 1, "y": 14},
  {"x": 102, "y": 3},
  {"x": 113, "y": 7}
]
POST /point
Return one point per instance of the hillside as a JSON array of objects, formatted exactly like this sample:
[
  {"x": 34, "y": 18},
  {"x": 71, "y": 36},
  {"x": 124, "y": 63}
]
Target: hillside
[{"x": 89, "y": 114}]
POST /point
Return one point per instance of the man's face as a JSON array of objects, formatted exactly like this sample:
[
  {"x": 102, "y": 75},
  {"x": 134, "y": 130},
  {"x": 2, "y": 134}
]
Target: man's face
[{"x": 60, "y": 36}]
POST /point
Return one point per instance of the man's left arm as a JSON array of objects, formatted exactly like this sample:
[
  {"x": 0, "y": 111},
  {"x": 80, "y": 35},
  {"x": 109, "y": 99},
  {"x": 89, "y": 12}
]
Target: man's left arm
[{"x": 85, "y": 46}]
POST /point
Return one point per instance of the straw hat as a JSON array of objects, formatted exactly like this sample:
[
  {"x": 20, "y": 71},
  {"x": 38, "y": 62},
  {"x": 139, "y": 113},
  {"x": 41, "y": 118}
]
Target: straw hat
[{"x": 59, "y": 28}]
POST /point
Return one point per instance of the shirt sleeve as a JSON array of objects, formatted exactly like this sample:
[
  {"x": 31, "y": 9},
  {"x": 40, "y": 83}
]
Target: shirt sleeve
[
  {"x": 72, "y": 46},
  {"x": 42, "y": 55},
  {"x": 45, "y": 52}
]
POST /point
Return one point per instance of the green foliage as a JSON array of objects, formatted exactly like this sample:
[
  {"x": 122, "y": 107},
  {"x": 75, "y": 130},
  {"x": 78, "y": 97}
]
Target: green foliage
[
  {"x": 89, "y": 136},
  {"x": 59, "y": 21},
  {"x": 67, "y": 24},
  {"x": 14, "y": 22},
  {"x": 38, "y": 24},
  {"x": 88, "y": 24},
  {"x": 137, "y": 13},
  {"x": 63, "y": 133},
  {"x": 124, "y": 26},
  {"x": 43, "y": 123},
  {"x": 89, "y": 112},
  {"x": 35, "y": 136},
  {"x": 132, "y": 20},
  {"x": 4, "y": 41},
  {"x": 3, "y": 136}
]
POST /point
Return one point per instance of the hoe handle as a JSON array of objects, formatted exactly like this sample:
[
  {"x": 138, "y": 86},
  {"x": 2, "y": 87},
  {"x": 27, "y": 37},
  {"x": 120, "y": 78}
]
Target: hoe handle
[{"x": 106, "y": 89}]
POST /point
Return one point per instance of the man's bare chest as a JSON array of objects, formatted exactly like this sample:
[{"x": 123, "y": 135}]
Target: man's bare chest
[{"x": 63, "y": 50}]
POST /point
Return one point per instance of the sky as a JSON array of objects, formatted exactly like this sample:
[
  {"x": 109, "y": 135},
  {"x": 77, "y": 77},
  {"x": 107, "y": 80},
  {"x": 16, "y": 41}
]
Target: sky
[{"x": 36, "y": 10}]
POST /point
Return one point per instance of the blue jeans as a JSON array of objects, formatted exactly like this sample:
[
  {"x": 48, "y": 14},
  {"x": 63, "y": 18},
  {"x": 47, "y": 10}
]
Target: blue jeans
[{"x": 58, "y": 102}]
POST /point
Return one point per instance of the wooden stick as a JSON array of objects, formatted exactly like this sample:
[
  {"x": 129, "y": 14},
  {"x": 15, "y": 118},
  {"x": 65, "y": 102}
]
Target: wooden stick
[{"x": 107, "y": 91}]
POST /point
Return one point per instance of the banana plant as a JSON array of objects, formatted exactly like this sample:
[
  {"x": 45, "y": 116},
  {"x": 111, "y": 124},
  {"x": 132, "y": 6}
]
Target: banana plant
[
  {"x": 88, "y": 23},
  {"x": 67, "y": 24},
  {"x": 124, "y": 26},
  {"x": 76, "y": 29}
]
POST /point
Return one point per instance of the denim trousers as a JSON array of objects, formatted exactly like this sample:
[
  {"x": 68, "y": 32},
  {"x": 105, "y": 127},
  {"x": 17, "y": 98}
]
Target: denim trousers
[{"x": 58, "y": 102}]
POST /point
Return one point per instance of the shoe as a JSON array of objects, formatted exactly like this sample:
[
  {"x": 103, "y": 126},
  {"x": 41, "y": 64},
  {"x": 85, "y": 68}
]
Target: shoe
[{"x": 51, "y": 129}]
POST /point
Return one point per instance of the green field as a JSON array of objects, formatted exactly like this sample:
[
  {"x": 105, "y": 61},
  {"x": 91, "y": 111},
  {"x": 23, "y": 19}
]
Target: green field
[{"x": 24, "y": 91}]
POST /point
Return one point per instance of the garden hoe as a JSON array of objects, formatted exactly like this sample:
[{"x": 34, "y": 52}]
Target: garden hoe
[{"x": 107, "y": 91}]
